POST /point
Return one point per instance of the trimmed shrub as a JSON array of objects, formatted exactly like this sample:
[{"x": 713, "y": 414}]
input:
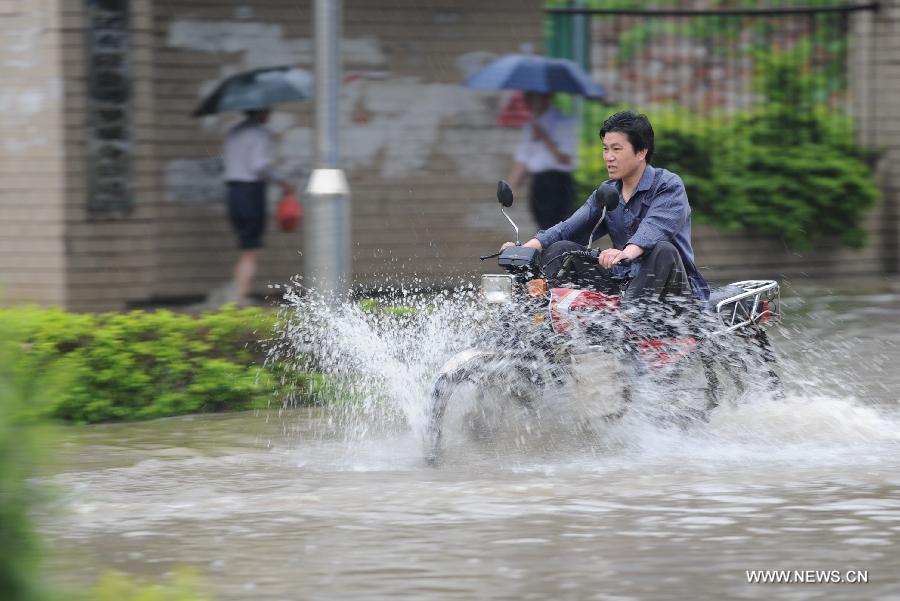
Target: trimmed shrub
[{"x": 143, "y": 365}]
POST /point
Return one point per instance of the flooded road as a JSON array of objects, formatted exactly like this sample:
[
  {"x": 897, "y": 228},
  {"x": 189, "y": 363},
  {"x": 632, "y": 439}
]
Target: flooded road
[{"x": 286, "y": 506}]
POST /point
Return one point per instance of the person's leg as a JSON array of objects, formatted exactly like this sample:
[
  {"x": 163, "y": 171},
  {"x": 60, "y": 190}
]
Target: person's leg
[
  {"x": 658, "y": 300},
  {"x": 564, "y": 184},
  {"x": 662, "y": 276},
  {"x": 244, "y": 272},
  {"x": 560, "y": 270},
  {"x": 542, "y": 200},
  {"x": 557, "y": 270},
  {"x": 552, "y": 197},
  {"x": 247, "y": 210}
]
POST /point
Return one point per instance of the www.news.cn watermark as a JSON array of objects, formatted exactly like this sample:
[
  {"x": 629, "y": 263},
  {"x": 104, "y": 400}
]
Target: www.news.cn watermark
[{"x": 807, "y": 576}]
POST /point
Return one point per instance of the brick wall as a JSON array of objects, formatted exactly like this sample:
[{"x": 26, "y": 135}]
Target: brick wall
[{"x": 32, "y": 256}]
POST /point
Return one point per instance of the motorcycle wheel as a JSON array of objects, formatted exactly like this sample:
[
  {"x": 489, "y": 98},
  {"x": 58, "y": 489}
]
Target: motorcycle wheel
[
  {"x": 682, "y": 394},
  {"x": 743, "y": 370},
  {"x": 485, "y": 396}
]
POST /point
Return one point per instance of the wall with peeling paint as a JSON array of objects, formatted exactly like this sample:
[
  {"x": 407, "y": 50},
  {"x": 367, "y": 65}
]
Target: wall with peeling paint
[
  {"x": 422, "y": 152},
  {"x": 32, "y": 253}
]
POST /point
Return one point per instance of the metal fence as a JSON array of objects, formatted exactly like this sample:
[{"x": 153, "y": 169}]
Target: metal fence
[{"x": 709, "y": 69}]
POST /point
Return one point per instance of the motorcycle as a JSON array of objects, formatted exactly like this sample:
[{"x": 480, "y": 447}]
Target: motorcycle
[{"x": 538, "y": 344}]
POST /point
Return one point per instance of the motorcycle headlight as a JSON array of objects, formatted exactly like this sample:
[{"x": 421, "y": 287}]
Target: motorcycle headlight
[{"x": 496, "y": 289}]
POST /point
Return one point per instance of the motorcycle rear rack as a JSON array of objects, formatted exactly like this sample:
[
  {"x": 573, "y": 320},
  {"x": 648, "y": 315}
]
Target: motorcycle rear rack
[{"x": 760, "y": 302}]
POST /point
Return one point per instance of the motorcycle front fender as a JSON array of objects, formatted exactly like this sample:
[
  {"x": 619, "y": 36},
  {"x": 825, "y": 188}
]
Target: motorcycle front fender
[{"x": 464, "y": 361}]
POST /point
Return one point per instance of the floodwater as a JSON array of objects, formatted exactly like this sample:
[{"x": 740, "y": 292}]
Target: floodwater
[{"x": 290, "y": 505}]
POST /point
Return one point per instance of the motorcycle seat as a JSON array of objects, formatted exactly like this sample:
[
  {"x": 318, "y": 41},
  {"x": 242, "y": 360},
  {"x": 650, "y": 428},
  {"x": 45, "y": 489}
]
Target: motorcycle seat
[{"x": 719, "y": 294}]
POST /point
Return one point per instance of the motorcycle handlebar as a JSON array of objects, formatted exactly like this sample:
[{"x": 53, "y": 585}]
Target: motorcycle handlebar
[
  {"x": 593, "y": 254},
  {"x": 587, "y": 254}
]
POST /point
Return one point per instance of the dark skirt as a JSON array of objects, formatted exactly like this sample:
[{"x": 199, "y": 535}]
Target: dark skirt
[
  {"x": 247, "y": 211},
  {"x": 552, "y": 197}
]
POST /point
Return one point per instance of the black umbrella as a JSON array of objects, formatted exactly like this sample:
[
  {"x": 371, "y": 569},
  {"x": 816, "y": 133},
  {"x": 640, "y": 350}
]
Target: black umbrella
[{"x": 257, "y": 89}]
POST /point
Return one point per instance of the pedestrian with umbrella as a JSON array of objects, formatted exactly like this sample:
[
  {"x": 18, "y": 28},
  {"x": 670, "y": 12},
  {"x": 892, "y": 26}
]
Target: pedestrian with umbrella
[
  {"x": 548, "y": 150},
  {"x": 249, "y": 156}
]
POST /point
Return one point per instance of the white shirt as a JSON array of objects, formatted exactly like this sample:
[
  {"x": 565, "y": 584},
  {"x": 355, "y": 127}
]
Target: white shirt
[
  {"x": 249, "y": 153},
  {"x": 535, "y": 155}
]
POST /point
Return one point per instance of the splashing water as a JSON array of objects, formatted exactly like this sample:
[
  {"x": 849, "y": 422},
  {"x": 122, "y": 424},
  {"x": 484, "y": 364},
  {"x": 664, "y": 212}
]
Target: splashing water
[{"x": 383, "y": 358}]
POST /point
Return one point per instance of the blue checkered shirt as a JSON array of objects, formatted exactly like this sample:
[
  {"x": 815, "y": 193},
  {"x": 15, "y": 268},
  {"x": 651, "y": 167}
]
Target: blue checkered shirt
[{"x": 657, "y": 211}]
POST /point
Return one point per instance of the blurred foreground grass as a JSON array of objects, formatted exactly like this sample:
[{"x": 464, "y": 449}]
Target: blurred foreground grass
[{"x": 25, "y": 444}]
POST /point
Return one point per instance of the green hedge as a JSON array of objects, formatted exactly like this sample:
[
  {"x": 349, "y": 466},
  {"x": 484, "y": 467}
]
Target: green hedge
[{"x": 142, "y": 365}]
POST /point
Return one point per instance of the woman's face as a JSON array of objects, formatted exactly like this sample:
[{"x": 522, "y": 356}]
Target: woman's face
[{"x": 619, "y": 155}]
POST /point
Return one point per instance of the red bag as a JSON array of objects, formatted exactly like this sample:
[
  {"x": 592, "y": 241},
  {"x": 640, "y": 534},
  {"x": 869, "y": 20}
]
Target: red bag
[
  {"x": 514, "y": 112},
  {"x": 289, "y": 213}
]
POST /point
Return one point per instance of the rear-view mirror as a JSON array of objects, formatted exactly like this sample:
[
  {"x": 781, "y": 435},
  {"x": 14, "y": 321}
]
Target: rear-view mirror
[
  {"x": 504, "y": 194},
  {"x": 608, "y": 197}
]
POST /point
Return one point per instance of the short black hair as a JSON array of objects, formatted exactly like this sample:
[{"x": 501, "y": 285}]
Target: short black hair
[{"x": 636, "y": 127}]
